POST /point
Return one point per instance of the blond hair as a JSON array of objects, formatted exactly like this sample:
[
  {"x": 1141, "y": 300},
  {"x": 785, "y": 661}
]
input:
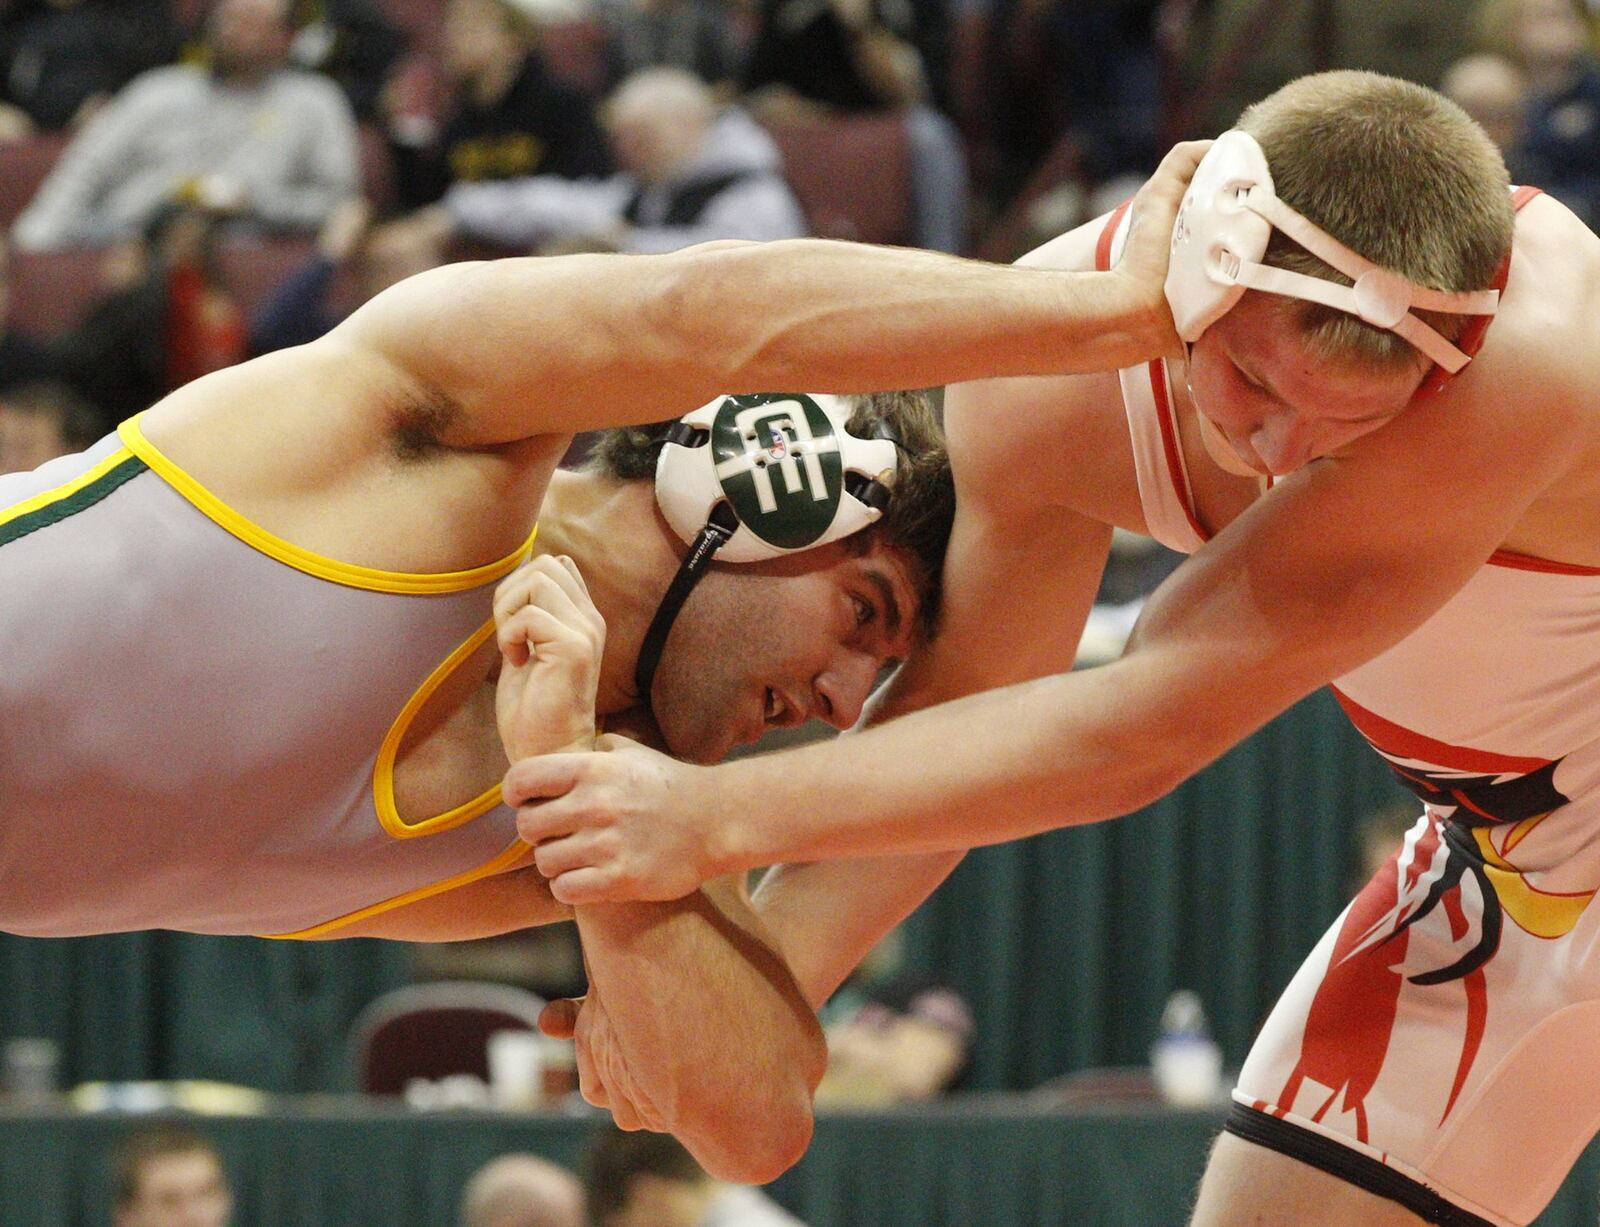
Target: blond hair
[{"x": 1399, "y": 174}]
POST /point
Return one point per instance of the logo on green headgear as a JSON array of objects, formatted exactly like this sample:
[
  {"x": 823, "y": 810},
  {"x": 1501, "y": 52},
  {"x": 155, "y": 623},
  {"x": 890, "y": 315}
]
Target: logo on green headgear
[{"x": 777, "y": 457}]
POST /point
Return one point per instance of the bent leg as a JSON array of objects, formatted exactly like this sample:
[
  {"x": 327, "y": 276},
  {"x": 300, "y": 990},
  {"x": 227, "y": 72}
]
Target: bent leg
[{"x": 1246, "y": 1185}]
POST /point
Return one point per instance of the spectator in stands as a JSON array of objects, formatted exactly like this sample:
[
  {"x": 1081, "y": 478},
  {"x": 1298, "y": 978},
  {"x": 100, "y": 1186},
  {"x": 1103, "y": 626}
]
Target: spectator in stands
[
  {"x": 351, "y": 41},
  {"x": 1493, "y": 90},
  {"x": 61, "y": 59},
  {"x": 1084, "y": 71},
  {"x": 813, "y": 58},
  {"x": 689, "y": 173},
  {"x": 894, "y": 1036},
  {"x": 40, "y": 421},
  {"x": 522, "y": 1191},
  {"x": 307, "y": 304},
  {"x": 650, "y": 1180},
  {"x": 1549, "y": 41},
  {"x": 508, "y": 117},
  {"x": 698, "y": 36},
  {"x": 245, "y": 133},
  {"x": 167, "y": 320},
  {"x": 170, "y": 1176}
]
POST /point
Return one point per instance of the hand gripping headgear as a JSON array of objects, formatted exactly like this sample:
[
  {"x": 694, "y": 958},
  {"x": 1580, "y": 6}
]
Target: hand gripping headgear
[
  {"x": 745, "y": 478},
  {"x": 1221, "y": 235}
]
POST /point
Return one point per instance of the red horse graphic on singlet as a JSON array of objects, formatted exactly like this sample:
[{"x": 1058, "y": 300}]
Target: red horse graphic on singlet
[{"x": 1451, "y": 872}]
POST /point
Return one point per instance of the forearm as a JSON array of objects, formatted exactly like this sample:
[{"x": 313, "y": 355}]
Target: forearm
[
  {"x": 856, "y": 316},
  {"x": 827, "y": 915},
  {"x": 713, "y": 1031},
  {"x": 529, "y": 346},
  {"x": 996, "y": 766}
]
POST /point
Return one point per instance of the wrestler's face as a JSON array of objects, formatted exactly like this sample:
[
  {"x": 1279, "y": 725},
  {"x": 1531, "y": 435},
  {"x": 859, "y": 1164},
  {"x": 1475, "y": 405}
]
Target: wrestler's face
[
  {"x": 1267, "y": 406},
  {"x": 773, "y": 644}
]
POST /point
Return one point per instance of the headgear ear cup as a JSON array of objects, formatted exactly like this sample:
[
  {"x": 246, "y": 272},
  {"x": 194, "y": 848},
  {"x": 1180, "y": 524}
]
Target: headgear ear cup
[
  {"x": 781, "y": 460},
  {"x": 1221, "y": 235},
  {"x": 750, "y": 477}
]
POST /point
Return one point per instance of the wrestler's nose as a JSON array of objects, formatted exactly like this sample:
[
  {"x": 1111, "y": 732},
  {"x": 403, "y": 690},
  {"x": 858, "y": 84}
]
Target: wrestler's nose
[
  {"x": 841, "y": 691},
  {"x": 1283, "y": 442}
]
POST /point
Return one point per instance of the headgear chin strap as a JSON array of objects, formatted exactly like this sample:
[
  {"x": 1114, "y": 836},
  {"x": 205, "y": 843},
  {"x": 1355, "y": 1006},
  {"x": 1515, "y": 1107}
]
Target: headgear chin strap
[
  {"x": 1221, "y": 235},
  {"x": 745, "y": 478}
]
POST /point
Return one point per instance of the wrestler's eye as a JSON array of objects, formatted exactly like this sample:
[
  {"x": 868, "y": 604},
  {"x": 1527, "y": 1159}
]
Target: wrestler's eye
[{"x": 866, "y": 611}]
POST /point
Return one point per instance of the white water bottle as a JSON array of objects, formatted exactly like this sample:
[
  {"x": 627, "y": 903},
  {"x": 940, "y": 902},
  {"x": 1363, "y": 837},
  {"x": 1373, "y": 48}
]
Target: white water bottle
[{"x": 1185, "y": 1061}]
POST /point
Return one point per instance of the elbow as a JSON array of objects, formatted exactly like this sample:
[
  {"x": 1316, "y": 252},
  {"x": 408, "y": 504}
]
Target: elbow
[
  {"x": 754, "y": 1134},
  {"x": 757, "y": 1145}
]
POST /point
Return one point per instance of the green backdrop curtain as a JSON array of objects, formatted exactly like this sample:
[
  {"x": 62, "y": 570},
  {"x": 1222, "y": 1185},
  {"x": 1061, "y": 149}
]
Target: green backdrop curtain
[
  {"x": 1001, "y": 1164},
  {"x": 1068, "y": 945},
  {"x": 173, "y": 1005}
]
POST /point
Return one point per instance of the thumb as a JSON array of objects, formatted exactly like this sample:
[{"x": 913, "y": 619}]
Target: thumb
[
  {"x": 559, "y": 1019},
  {"x": 541, "y": 777}
]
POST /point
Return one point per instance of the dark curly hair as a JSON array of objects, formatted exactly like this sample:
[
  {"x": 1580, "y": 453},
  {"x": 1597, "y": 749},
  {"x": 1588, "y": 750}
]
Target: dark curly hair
[{"x": 918, "y": 520}]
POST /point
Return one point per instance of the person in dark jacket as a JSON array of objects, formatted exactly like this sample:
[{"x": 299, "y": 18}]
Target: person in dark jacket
[{"x": 508, "y": 118}]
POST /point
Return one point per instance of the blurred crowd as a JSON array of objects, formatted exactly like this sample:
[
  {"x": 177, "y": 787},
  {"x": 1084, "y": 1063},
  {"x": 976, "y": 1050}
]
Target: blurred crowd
[
  {"x": 172, "y": 1175},
  {"x": 187, "y": 183}
]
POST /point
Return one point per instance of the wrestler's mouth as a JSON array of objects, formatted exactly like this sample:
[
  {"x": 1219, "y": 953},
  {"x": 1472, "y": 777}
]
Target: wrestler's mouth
[{"x": 778, "y": 709}]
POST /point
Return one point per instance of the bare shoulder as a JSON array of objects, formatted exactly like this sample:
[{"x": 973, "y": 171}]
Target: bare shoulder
[
  {"x": 332, "y": 447},
  {"x": 1541, "y": 349},
  {"x": 1058, "y": 441}
]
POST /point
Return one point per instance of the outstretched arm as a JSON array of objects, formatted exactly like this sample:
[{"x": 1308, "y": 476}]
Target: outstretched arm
[
  {"x": 1020, "y": 577},
  {"x": 521, "y": 347}
]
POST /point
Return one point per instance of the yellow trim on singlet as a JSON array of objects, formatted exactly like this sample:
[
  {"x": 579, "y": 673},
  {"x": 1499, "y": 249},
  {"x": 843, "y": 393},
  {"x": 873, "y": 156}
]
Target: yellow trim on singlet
[
  {"x": 508, "y": 859},
  {"x": 286, "y": 552},
  {"x": 7, "y": 514},
  {"x": 389, "y": 751}
]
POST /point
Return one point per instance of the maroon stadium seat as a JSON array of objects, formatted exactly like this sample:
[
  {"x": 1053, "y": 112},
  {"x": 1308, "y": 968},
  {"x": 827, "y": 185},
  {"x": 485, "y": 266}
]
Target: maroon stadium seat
[
  {"x": 852, "y": 175},
  {"x": 433, "y": 1031},
  {"x": 23, "y": 166}
]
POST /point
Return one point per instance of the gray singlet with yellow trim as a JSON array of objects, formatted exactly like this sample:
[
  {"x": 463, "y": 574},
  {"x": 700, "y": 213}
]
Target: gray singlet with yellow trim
[{"x": 198, "y": 720}]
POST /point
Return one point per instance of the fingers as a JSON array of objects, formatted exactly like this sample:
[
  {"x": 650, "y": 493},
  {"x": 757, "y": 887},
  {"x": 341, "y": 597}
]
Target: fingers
[
  {"x": 542, "y": 777},
  {"x": 532, "y": 630},
  {"x": 556, "y": 586},
  {"x": 1182, "y": 159},
  {"x": 1164, "y": 190},
  {"x": 590, "y": 1085},
  {"x": 561, "y": 573},
  {"x": 582, "y": 850},
  {"x": 589, "y": 885}
]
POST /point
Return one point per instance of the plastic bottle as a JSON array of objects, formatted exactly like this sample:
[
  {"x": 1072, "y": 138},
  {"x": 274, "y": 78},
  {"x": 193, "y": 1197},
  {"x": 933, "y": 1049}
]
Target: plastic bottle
[{"x": 1185, "y": 1061}]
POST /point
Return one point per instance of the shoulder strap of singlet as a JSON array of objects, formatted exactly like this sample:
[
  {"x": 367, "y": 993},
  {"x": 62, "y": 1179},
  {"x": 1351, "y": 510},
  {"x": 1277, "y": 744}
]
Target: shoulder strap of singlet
[
  {"x": 1478, "y": 326},
  {"x": 1164, "y": 490}
]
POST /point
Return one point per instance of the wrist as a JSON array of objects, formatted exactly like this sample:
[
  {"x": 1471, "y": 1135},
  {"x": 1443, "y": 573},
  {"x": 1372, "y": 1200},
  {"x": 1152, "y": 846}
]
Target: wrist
[
  {"x": 1135, "y": 320},
  {"x": 730, "y": 843},
  {"x": 570, "y": 741}
]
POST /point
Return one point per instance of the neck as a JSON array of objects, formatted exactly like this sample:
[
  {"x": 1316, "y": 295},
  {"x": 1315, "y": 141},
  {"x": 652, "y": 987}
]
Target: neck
[{"x": 627, "y": 555}]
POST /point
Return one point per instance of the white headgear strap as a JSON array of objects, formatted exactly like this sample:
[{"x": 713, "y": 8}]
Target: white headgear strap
[{"x": 1221, "y": 235}]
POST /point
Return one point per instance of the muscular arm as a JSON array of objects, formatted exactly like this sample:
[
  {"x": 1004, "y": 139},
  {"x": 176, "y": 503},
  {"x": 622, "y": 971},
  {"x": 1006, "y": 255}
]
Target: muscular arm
[
  {"x": 515, "y": 348},
  {"x": 710, "y": 1025}
]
